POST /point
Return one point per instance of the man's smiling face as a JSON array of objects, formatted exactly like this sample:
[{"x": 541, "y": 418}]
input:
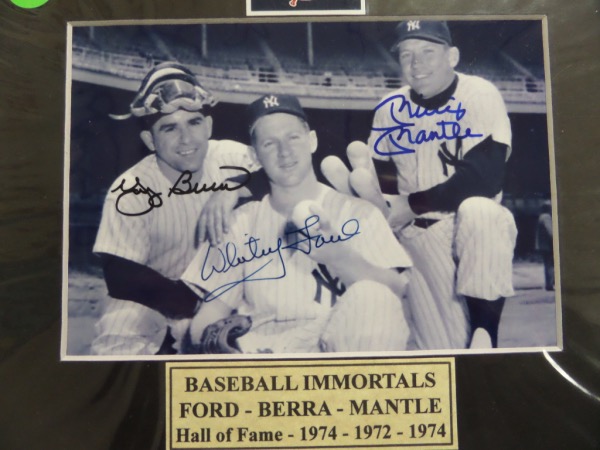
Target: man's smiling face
[
  {"x": 428, "y": 67},
  {"x": 284, "y": 146},
  {"x": 180, "y": 140}
]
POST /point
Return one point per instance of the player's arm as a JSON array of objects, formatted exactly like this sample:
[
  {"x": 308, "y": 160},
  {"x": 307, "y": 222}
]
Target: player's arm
[
  {"x": 479, "y": 174},
  {"x": 128, "y": 280},
  {"x": 215, "y": 219},
  {"x": 226, "y": 158},
  {"x": 345, "y": 259},
  {"x": 123, "y": 244},
  {"x": 352, "y": 267},
  {"x": 210, "y": 313},
  {"x": 214, "y": 328}
]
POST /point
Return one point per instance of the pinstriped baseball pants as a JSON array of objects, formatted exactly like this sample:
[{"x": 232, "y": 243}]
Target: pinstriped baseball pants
[{"x": 469, "y": 253}]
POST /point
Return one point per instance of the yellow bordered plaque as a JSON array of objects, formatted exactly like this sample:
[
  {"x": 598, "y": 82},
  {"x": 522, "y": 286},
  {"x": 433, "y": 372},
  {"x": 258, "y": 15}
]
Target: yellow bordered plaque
[{"x": 391, "y": 403}]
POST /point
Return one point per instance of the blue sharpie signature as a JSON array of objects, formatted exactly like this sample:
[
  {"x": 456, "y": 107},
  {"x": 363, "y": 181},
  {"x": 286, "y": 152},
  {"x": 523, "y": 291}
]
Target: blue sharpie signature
[
  {"x": 303, "y": 239},
  {"x": 446, "y": 131}
]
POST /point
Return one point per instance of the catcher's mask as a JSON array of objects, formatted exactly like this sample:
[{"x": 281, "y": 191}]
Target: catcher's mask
[{"x": 167, "y": 88}]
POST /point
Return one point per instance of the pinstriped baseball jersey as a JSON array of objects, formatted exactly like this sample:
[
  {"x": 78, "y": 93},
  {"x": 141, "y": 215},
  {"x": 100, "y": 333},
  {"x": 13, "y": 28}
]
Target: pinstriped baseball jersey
[
  {"x": 162, "y": 239},
  {"x": 475, "y": 111},
  {"x": 286, "y": 287}
]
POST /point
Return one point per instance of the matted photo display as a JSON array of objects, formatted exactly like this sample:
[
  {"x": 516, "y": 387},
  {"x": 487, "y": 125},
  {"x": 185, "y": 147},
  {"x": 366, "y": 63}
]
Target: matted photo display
[{"x": 323, "y": 188}]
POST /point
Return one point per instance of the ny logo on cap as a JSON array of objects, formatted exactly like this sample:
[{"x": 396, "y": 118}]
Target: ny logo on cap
[
  {"x": 270, "y": 101},
  {"x": 413, "y": 25}
]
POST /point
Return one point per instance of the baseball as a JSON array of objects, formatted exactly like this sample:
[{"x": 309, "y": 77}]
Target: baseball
[{"x": 301, "y": 212}]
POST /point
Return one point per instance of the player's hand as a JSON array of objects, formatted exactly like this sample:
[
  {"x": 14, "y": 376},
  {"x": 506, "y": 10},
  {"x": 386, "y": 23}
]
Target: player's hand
[
  {"x": 362, "y": 181},
  {"x": 215, "y": 218}
]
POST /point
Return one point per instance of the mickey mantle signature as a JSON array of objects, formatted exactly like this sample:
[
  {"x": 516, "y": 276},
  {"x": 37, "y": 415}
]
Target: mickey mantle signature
[{"x": 405, "y": 132}]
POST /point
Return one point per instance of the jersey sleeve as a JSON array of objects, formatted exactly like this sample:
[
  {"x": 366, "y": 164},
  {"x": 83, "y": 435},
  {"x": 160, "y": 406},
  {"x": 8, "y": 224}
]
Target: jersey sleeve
[
  {"x": 129, "y": 280},
  {"x": 121, "y": 233},
  {"x": 487, "y": 115}
]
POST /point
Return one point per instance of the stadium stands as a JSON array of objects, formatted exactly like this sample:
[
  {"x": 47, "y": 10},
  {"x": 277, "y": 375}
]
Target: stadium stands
[{"x": 346, "y": 61}]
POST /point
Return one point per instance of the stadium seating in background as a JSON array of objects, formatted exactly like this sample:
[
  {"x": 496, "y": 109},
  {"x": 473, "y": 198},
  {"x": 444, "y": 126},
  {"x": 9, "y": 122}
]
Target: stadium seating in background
[{"x": 347, "y": 59}]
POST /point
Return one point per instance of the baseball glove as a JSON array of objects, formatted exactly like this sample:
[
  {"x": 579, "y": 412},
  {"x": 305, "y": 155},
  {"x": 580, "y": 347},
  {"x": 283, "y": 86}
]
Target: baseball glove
[{"x": 219, "y": 337}]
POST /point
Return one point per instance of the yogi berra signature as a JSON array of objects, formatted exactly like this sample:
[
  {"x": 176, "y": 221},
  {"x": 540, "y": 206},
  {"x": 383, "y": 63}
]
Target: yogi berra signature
[
  {"x": 446, "y": 131},
  {"x": 182, "y": 186},
  {"x": 304, "y": 239}
]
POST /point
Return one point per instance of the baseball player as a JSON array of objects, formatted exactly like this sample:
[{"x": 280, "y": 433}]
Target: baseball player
[
  {"x": 314, "y": 269},
  {"x": 449, "y": 136},
  {"x": 147, "y": 231}
]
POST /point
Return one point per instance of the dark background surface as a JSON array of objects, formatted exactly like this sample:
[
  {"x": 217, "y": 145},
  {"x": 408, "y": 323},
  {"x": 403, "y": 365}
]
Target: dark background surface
[{"x": 504, "y": 401}]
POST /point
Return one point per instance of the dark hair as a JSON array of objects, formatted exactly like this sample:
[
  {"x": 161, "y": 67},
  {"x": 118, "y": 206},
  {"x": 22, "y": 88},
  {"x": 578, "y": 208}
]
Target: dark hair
[{"x": 147, "y": 122}]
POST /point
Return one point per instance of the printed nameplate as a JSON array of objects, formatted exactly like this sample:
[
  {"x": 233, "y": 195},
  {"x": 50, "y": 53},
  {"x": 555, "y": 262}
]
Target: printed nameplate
[{"x": 378, "y": 403}]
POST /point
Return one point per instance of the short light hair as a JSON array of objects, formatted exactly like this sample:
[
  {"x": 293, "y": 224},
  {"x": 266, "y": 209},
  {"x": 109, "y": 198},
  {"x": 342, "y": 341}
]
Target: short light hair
[{"x": 253, "y": 128}]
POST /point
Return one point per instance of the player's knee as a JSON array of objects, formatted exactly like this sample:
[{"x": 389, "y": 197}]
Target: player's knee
[
  {"x": 368, "y": 317},
  {"x": 482, "y": 217},
  {"x": 473, "y": 208},
  {"x": 480, "y": 213}
]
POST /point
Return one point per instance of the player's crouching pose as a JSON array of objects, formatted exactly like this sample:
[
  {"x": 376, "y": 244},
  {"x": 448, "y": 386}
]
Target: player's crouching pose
[
  {"x": 314, "y": 269},
  {"x": 146, "y": 236},
  {"x": 449, "y": 136}
]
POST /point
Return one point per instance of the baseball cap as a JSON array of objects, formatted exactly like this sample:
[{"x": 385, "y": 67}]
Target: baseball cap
[
  {"x": 274, "y": 103},
  {"x": 167, "y": 88},
  {"x": 429, "y": 30}
]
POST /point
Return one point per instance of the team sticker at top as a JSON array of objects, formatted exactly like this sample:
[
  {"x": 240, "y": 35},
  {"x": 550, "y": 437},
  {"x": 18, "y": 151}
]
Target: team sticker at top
[{"x": 304, "y": 7}]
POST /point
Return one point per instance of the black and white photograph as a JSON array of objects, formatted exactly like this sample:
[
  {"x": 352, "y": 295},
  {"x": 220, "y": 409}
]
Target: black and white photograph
[{"x": 309, "y": 188}]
